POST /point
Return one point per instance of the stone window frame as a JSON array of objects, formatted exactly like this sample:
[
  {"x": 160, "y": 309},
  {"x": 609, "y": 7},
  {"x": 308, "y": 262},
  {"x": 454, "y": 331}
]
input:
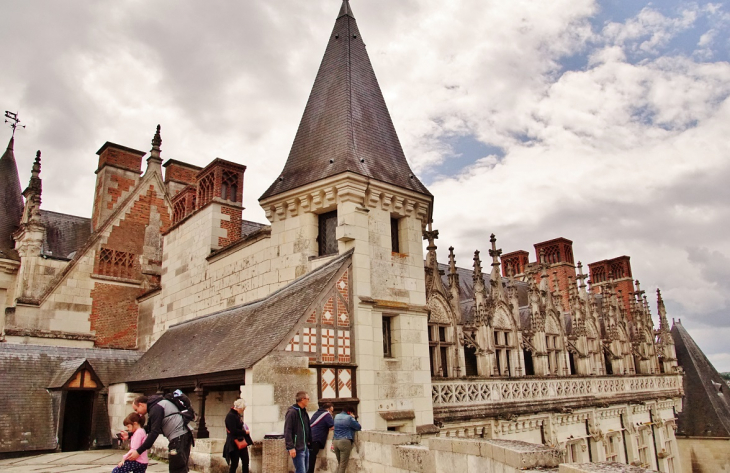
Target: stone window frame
[
  {"x": 388, "y": 335},
  {"x": 643, "y": 449},
  {"x": 611, "y": 443},
  {"x": 437, "y": 345},
  {"x": 326, "y": 236},
  {"x": 505, "y": 349},
  {"x": 574, "y": 447}
]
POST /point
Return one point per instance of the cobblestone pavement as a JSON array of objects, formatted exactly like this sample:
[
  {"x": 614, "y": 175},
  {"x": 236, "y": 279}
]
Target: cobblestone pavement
[{"x": 96, "y": 461}]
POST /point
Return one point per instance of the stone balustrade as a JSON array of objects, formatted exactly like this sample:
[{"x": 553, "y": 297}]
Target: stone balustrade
[{"x": 452, "y": 394}]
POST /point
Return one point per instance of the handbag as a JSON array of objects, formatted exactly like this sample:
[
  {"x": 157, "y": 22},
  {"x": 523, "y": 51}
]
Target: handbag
[{"x": 241, "y": 444}]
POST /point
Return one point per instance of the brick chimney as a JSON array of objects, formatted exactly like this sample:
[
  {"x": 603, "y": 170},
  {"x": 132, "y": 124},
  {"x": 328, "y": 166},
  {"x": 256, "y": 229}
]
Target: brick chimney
[
  {"x": 117, "y": 175},
  {"x": 515, "y": 263},
  {"x": 616, "y": 269},
  {"x": 179, "y": 175},
  {"x": 558, "y": 254}
]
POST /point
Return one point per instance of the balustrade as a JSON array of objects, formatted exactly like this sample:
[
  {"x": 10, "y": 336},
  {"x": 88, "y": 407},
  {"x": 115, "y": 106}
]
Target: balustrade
[{"x": 448, "y": 393}]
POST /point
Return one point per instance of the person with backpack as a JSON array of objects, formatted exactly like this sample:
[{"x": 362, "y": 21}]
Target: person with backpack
[
  {"x": 322, "y": 423},
  {"x": 297, "y": 434},
  {"x": 238, "y": 438},
  {"x": 166, "y": 418}
]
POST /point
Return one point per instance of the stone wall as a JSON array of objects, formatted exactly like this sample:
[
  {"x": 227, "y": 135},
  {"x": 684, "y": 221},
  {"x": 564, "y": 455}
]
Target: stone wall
[{"x": 704, "y": 455}]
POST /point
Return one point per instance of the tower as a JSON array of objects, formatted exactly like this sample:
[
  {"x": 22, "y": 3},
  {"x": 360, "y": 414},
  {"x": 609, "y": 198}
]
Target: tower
[{"x": 347, "y": 185}]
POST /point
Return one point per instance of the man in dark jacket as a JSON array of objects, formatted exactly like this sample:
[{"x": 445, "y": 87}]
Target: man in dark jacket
[
  {"x": 322, "y": 423},
  {"x": 297, "y": 433},
  {"x": 164, "y": 418}
]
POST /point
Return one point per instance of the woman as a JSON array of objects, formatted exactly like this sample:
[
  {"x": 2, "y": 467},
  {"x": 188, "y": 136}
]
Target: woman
[
  {"x": 346, "y": 425},
  {"x": 237, "y": 431}
]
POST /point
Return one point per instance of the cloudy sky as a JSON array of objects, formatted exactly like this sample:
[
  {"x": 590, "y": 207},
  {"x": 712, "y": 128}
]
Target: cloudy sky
[{"x": 605, "y": 122}]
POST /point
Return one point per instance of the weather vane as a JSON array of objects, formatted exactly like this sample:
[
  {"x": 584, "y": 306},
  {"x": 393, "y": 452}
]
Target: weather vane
[{"x": 13, "y": 119}]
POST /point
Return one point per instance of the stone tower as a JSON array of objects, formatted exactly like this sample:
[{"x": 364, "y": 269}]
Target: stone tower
[{"x": 347, "y": 185}]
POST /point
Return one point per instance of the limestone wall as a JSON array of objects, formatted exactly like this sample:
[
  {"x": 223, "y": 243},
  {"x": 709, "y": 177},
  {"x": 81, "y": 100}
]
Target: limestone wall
[
  {"x": 704, "y": 455},
  {"x": 193, "y": 286},
  {"x": 270, "y": 388}
]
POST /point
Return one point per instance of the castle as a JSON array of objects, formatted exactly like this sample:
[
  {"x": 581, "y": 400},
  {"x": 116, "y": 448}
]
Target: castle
[{"x": 167, "y": 287}]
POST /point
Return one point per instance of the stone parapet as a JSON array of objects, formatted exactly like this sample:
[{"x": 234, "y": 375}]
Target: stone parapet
[
  {"x": 604, "y": 467},
  {"x": 453, "y": 399}
]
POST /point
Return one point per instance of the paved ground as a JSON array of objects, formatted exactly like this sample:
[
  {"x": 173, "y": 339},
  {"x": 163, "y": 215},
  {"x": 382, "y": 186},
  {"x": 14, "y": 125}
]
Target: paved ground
[{"x": 97, "y": 461}]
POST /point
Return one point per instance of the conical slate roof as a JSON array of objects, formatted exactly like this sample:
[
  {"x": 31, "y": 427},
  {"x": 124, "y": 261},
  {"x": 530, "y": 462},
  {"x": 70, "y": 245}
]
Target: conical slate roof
[
  {"x": 11, "y": 202},
  {"x": 706, "y": 407},
  {"x": 346, "y": 125}
]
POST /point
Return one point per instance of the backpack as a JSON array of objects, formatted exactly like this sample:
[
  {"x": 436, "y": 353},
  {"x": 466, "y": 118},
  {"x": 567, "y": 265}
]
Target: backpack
[{"x": 183, "y": 404}]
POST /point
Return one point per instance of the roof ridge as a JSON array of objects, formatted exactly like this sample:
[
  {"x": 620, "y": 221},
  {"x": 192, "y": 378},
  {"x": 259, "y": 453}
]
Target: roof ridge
[{"x": 64, "y": 214}]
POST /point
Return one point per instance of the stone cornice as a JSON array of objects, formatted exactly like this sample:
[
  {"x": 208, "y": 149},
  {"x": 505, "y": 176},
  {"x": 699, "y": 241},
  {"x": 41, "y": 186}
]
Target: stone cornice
[
  {"x": 9, "y": 266},
  {"x": 324, "y": 195}
]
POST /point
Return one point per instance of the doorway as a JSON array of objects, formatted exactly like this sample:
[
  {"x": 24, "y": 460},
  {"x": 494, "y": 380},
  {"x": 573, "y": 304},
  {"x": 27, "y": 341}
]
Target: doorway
[
  {"x": 470, "y": 359},
  {"x": 77, "y": 414}
]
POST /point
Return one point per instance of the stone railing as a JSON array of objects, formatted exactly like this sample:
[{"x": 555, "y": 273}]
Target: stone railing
[{"x": 483, "y": 392}]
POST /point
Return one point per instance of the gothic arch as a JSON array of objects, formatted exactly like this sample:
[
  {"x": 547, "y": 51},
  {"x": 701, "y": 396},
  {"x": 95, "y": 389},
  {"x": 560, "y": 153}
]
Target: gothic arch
[
  {"x": 502, "y": 319},
  {"x": 440, "y": 312}
]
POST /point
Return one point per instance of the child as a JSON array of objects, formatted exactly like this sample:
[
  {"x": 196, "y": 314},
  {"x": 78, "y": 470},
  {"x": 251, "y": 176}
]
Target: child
[{"x": 133, "y": 424}]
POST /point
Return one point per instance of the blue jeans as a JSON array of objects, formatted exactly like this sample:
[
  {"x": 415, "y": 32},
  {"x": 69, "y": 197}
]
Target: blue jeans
[{"x": 301, "y": 461}]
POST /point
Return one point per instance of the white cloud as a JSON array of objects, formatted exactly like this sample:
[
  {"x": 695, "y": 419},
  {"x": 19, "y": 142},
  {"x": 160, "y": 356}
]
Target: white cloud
[{"x": 626, "y": 154}]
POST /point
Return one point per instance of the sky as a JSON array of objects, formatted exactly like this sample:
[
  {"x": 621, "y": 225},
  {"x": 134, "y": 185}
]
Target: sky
[{"x": 604, "y": 122}]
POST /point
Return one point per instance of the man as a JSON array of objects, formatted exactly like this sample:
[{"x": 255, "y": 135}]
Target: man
[
  {"x": 164, "y": 418},
  {"x": 322, "y": 423},
  {"x": 346, "y": 425},
  {"x": 297, "y": 433}
]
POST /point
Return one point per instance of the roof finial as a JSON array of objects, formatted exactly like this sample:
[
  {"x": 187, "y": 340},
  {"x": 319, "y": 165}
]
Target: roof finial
[
  {"x": 346, "y": 10},
  {"x": 494, "y": 252},
  {"x": 36, "y": 170},
  {"x": 14, "y": 121},
  {"x": 156, "y": 143}
]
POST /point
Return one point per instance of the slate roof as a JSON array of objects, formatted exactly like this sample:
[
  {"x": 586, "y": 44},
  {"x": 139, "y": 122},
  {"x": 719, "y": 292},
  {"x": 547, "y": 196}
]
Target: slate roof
[
  {"x": 30, "y": 412},
  {"x": 65, "y": 234},
  {"x": 235, "y": 338},
  {"x": 346, "y": 125},
  {"x": 11, "y": 202},
  {"x": 706, "y": 407},
  {"x": 466, "y": 282},
  {"x": 248, "y": 227}
]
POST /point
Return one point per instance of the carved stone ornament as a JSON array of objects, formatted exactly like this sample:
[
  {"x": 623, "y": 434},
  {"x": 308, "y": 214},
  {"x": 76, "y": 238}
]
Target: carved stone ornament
[{"x": 439, "y": 311}]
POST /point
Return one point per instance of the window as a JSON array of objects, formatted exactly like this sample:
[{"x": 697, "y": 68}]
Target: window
[
  {"x": 553, "y": 349},
  {"x": 394, "y": 236},
  {"x": 327, "y": 237},
  {"x": 502, "y": 353},
  {"x": 441, "y": 345},
  {"x": 611, "y": 447},
  {"x": 387, "y": 338},
  {"x": 643, "y": 447},
  {"x": 574, "y": 452}
]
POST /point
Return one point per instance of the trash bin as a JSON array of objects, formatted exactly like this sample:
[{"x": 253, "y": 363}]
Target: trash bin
[{"x": 275, "y": 458}]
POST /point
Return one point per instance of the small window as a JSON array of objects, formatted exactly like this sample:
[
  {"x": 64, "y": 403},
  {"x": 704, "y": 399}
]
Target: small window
[
  {"x": 394, "y": 235},
  {"x": 387, "y": 339},
  {"x": 442, "y": 334},
  {"x": 327, "y": 237}
]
